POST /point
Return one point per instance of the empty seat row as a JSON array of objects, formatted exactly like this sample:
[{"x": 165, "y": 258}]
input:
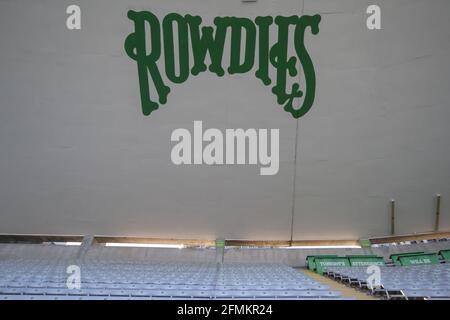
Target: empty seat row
[{"x": 47, "y": 279}]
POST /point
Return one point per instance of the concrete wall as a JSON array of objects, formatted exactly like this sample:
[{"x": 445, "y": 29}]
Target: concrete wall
[{"x": 78, "y": 157}]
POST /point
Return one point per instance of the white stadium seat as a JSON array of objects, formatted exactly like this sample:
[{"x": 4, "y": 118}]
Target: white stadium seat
[{"x": 46, "y": 279}]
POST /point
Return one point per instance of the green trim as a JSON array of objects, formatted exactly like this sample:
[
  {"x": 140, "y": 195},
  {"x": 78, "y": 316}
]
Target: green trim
[
  {"x": 365, "y": 243},
  {"x": 220, "y": 243}
]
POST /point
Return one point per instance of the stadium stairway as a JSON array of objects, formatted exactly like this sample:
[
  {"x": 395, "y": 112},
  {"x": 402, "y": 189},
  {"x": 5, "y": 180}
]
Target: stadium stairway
[{"x": 347, "y": 292}]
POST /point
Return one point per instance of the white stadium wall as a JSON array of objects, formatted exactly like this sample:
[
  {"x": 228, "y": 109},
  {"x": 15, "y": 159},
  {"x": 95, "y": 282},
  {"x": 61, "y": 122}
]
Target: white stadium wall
[{"x": 78, "y": 156}]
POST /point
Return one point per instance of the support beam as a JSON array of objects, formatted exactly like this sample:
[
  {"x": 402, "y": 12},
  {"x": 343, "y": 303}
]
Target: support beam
[
  {"x": 87, "y": 242},
  {"x": 412, "y": 237},
  {"x": 392, "y": 217},
  {"x": 438, "y": 212},
  {"x": 293, "y": 243},
  {"x": 186, "y": 242},
  {"x": 37, "y": 238}
]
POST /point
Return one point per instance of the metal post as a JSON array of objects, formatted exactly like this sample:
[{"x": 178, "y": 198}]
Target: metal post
[
  {"x": 392, "y": 216},
  {"x": 220, "y": 250},
  {"x": 438, "y": 211}
]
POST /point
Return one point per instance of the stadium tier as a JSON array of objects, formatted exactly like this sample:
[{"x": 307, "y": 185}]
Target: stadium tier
[
  {"x": 41, "y": 279},
  {"x": 45, "y": 272},
  {"x": 415, "y": 275}
]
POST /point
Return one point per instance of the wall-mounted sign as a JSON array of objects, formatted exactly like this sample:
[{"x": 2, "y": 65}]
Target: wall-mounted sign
[{"x": 203, "y": 40}]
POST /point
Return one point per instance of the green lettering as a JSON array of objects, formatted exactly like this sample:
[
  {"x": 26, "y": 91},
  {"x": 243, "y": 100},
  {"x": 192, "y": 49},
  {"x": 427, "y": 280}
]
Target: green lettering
[
  {"x": 135, "y": 47},
  {"x": 183, "y": 48},
  {"x": 237, "y": 25}
]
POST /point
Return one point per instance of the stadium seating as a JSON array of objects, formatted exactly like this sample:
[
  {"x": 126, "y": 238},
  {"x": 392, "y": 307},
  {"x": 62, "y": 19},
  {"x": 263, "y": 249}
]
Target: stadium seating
[
  {"x": 427, "y": 281},
  {"x": 46, "y": 279},
  {"x": 40, "y": 272}
]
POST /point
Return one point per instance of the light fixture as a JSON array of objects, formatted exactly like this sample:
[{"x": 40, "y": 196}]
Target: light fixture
[
  {"x": 68, "y": 243},
  {"x": 324, "y": 247},
  {"x": 145, "y": 245}
]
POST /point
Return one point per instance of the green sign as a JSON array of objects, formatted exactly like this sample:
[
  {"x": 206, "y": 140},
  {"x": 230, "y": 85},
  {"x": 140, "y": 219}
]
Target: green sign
[
  {"x": 396, "y": 256},
  {"x": 445, "y": 254},
  {"x": 426, "y": 258},
  {"x": 364, "y": 261},
  {"x": 197, "y": 41},
  {"x": 322, "y": 263},
  {"x": 311, "y": 260}
]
